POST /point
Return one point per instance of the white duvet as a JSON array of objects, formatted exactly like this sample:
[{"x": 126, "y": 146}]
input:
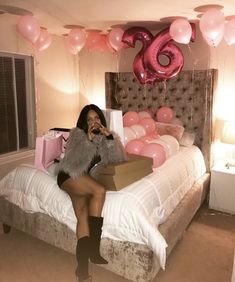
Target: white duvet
[{"x": 131, "y": 214}]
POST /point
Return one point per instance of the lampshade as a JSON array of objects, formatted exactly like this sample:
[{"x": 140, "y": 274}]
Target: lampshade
[{"x": 228, "y": 135}]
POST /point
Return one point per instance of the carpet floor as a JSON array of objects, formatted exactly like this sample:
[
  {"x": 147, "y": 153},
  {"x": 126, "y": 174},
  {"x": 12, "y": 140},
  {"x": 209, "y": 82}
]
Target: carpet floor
[{"x": 205, "y": 254}]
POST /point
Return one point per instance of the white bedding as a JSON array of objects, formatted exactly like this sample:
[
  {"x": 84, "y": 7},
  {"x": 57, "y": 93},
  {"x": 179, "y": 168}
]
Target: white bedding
[{"x": 131, "y": 214}]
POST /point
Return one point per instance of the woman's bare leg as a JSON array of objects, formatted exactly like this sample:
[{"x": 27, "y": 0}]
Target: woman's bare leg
[{"x": 88, "y": 187}]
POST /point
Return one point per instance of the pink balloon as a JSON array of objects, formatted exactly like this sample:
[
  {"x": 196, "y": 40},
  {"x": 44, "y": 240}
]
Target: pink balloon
[
  {"x": 134, "y": 147},
  {"x": 73, "y": 50},
  {"x": 77, "y": 38},
  {"x": 229, "y": 32},
  {"x": 44, "y": 40},
  {"x": 146, "y": 138},
  {"x": 93, "y": 40},
  {"x": 212, "y": 25},
  {"x": 130, "y": 37},
  {"x": 130, "y": 118},
  {"x": 149, "y": 125},
  {"x": 156, "y": 152},
  {"x": 181, "y": 31},
  {"x": 115, "y": 38},
  {"x": 29, "y": 28},
  {"x": 103, "y": 45},
  {"x": 139, "y": 130},
  {"x": 144, "y": 114},
  {"x": 154, "y": 135},
  {"x": 165, "y": 114},
  {"x": 164, "y": 144},
  {"x": 129, "y": 135}
]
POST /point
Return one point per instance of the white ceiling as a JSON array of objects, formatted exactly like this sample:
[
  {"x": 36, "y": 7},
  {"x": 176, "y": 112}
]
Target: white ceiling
[{"x": 55, "y": 15}]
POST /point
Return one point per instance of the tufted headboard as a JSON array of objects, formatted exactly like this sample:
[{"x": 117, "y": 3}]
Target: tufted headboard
[{"x": 190, "y": 95}]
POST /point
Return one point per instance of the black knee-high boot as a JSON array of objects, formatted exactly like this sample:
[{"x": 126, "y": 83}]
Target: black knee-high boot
[
  {"x": 95, "y": 227},
  {"x": 82, "y": 254}
]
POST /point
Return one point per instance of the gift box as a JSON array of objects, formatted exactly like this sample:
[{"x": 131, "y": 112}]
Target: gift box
[{"x": 117, "y": 176}]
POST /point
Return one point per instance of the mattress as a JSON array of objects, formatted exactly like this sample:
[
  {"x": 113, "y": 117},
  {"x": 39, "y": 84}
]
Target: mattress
[{"x": 131, "y": 214}]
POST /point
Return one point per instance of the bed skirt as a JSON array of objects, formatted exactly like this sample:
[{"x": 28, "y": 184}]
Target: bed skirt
[{"x": 132, "y": 261}]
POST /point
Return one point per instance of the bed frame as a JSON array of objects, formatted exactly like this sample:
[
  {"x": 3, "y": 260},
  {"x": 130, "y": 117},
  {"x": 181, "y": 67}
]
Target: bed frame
[{"x": 190, "y": 96}]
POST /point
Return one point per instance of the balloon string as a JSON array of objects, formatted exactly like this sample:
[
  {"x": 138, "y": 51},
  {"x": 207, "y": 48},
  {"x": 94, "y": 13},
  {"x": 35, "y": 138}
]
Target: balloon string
[{"x": 164, "y": 92}]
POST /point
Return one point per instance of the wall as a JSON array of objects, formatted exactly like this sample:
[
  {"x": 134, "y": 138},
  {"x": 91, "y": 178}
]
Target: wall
[{"x": 56, "y": 76}]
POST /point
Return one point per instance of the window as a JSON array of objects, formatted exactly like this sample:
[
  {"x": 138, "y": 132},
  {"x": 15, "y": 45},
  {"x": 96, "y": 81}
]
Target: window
[{"x": 17, "y": 103}]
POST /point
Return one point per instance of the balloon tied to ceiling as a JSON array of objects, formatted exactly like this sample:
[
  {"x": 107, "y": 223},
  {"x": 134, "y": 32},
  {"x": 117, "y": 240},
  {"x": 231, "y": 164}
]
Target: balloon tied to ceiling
[
  {"x": 30, "y": 29},
  {"x": 147, "y": 65}
]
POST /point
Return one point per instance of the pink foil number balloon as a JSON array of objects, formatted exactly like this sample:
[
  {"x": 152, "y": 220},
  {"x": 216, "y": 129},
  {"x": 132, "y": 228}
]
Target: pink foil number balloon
[
  {"x": 162, "y": 46},
  {"x": 130, "y": 37}
]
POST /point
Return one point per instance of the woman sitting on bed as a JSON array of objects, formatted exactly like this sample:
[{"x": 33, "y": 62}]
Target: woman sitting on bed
[{"x": 90, "y": 146}]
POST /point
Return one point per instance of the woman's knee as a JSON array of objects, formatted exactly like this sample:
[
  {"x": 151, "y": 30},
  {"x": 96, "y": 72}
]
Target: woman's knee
[{"x": 99, "y": 191}]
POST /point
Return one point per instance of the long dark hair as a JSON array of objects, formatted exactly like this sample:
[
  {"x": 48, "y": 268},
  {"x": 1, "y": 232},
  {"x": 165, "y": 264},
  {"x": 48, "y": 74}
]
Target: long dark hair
[{"x": 82, "y": 119}]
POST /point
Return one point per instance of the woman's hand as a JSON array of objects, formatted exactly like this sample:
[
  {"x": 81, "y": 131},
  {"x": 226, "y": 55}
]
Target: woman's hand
[
  {"x": 97, "y": 128},
  {"x": 90, "y": 133},
  {"x": 104, "y": 130}
]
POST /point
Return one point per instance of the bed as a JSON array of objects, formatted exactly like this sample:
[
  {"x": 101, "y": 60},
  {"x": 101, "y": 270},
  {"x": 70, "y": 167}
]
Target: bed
[{"x": 135, "y": 252}]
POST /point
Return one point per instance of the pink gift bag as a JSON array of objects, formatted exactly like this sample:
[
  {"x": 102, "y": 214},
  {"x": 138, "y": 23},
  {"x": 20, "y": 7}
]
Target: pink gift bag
[
  {"x": 65, "y": 133},
  {"x": 48, "y": 148}
]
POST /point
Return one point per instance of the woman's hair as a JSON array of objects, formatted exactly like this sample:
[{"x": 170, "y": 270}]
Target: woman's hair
[{"x": 82, "y": 119}]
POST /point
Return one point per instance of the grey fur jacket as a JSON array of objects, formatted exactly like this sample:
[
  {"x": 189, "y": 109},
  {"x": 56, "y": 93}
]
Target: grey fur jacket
[{"x": 80, "y": 152}]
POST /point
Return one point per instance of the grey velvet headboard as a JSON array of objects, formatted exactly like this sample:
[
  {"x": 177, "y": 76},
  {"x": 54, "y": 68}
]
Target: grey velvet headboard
[{"x": 189, "y": 94}]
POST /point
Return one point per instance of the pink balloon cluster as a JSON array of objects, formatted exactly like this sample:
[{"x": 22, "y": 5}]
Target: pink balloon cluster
[
  {"x": 94, "y": 40},
  {"x": 147, "y": 66},
  {"x": 30, "y": 29},
  {"x": 214, "y": 28},
  {"x": 139, "y": 129},
  {"x": 141, "y": 137}
]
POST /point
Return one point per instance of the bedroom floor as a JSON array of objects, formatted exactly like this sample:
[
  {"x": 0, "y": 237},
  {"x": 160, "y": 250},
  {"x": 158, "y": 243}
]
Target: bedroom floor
[{"x": 205, "y": 254}]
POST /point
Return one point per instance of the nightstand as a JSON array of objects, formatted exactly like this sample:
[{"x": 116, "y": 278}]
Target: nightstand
[{"x": 222, "y": 189}]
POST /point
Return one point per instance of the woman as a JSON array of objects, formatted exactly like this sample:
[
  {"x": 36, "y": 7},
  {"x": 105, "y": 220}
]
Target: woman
[{"x": 90, "y": 146}]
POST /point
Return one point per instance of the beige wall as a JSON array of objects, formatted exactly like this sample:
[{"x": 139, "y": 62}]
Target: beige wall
[{"x": 56, "y": 77}]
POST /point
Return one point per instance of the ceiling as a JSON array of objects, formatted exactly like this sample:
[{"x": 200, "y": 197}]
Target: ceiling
[{"x": 59, "y": 16}]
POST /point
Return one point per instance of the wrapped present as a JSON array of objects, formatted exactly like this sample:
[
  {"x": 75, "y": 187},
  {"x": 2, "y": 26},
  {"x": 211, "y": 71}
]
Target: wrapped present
[{"x": 117, "y": 176}]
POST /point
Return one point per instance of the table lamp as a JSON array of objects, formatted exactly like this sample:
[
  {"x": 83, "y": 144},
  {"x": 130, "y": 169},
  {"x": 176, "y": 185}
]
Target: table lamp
[{"x": 228, "y": 137}]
